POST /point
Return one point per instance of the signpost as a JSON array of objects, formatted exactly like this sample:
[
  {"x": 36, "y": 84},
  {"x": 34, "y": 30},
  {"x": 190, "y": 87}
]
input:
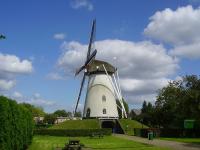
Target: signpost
[{"x": 189, "y": 124}]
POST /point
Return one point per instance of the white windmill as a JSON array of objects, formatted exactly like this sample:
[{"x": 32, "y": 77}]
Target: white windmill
[{"x": 103, "y": 88}]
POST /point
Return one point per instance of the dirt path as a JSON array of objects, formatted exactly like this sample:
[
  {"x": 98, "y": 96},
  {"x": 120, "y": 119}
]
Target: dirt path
[{"x": 161, "y": 143}]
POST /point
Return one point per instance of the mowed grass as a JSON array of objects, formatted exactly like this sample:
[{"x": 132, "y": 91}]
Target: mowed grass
[
  {"x": 129, "y": 125},
  {"x": 78, "y": 124},
  {"x": 184, "y": 140},
  {"x": 107, "y": 142}
]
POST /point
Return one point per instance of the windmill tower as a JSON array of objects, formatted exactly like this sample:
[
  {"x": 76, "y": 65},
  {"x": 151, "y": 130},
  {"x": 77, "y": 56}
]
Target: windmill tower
[{"x": 103, "y": 88}]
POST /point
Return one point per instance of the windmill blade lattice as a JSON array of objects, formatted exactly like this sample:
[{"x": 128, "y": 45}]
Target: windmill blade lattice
[{"x": 89, "y": 58}]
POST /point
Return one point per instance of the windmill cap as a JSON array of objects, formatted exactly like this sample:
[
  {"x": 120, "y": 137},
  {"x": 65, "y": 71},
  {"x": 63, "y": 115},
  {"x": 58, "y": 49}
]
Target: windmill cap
[{"x": 96, "y": 66}]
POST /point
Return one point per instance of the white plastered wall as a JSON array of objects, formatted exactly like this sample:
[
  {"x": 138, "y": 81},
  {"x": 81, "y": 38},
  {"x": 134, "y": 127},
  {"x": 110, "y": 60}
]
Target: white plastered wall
[{"x": 100, "y": 85}]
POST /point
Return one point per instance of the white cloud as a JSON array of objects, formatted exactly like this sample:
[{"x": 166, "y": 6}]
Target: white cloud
[
  {"x": 59, "y": 36},
  {"x": 11, "y": 66},
  {"x": 17, "y": 95},
  {"x": 55, "y": 76},
  {"x": 77, "y": 4},
  {"x": 189, "y": 51},
  {"x": 35, "y": 99},
  {"x": 137, "y": 100},
  {"x": 179, "y": 27},
  {"x": 138, "y": 86},
  {"x": 144, "y": 64},
  {"x": 138, "y": 60},
  {"x": 6, "y": 84}
]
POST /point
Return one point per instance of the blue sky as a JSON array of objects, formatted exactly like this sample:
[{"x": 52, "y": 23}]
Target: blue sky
[{"x": 153, "y": 42}]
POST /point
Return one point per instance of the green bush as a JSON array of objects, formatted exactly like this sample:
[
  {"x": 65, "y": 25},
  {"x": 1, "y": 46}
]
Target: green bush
[
  {"x": 74, "y": 133},
  {"x": 16, "y": 125}
]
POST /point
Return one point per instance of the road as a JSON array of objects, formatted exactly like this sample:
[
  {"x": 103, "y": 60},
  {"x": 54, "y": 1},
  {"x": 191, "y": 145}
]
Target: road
[{"x": 161, "y": 143}]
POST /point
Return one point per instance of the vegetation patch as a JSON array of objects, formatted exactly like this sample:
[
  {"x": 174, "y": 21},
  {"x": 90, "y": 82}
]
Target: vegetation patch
[
  {"x": 78, "y": 124},
  {"x": 129, "y": 125},
  {"x": 72, "y": 132},
  {"x": 16, "y": 125},
  {"x": 107, "y": 142}
]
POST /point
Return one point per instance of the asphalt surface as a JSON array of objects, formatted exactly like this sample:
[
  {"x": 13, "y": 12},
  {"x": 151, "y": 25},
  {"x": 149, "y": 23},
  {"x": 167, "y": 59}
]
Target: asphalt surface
[{"x": 161, "y": 143}]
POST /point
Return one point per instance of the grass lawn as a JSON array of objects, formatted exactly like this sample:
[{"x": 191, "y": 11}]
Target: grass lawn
[
  {"x": 107, "y": 142},
  {"x": 129, "y": 125},
  {"x": 78, "y": 124},
  {"x": 185, "y": 140}
]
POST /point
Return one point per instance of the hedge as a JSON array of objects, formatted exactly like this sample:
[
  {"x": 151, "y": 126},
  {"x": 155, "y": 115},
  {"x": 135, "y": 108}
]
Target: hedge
[
  {"x": 72, "y": 133},
  {"x": 16, "y": 125},
  {"x": 180, "y": 133}
]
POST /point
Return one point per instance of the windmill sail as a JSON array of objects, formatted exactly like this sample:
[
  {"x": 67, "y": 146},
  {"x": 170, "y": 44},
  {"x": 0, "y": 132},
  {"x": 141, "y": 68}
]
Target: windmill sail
[{"x": 88, "y": 60}]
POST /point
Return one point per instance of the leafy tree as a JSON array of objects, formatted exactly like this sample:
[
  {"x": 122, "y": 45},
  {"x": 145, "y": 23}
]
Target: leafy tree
[
  {"x": 132, "y": 115},
  {"x": 2, "y": 36},
  {"x": 146, "y": 116},
  {"x": 78, "y": 114},
  {"x": 35, "y": 110},
  {"x": 50, "y": 118},
  {"x": 61, "y": 113},
  {"x": 178, "y": 101}
]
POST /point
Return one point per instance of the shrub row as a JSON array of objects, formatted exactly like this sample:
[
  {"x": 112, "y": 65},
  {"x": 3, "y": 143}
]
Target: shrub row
[
  {"x": 16, "y": 125},
  {"x": 168, "y": 132},
  {"x": 43, "y": 126},
  {"x": 73, "y": 133},
  {"x": 180, "y": 132}
]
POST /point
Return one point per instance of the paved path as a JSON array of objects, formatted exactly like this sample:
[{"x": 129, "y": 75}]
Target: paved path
[{"x": 161, "y": 143}]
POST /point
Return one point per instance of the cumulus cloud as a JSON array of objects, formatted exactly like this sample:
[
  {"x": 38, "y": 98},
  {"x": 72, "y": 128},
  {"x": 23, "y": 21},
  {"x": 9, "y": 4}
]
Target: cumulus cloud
[
  {"x": 17, "y": 95},
  {"x": 143, "y": 67},
  {"x": 189, "y": 51},
  {"x": 138, "y": 60},
  {"x": 6, "y": 84},
  {"x": 138, "y": 86},
  {"x": 11, "y": 66},
  {"x": 179, "y": 27},
  {"x": 35, "y": 99},
  {"x": 77, "y": 4},
  {"x": 59, "y": 36}
]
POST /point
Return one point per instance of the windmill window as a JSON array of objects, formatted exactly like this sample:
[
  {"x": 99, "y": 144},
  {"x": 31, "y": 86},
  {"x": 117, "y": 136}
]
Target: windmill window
[
  {"x": 104, "y": 111},
  {"x": 88, "y": 113},
  {"x": 104, "y": 98}
]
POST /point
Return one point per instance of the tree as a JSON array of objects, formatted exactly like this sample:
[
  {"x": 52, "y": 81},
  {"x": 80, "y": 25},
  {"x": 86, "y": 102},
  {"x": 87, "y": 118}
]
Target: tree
[
  {"x": 61, "y": 113},
  {"x": 146, "y": 116},
  {"x": 132, "y": 115},
  {"x": 36, "y": 111},
  {"x": 78, "y": 114},
  {"x": 50, "y": 118},
  {"x": 178, "y": 101},
  {"x": 2, "y": 36}
]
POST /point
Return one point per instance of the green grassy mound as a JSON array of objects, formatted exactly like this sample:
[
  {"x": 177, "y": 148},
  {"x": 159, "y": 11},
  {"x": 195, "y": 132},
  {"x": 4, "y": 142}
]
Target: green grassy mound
[
  {"x": 78, "y": 124},
  {"x": 129, "y": 125}
]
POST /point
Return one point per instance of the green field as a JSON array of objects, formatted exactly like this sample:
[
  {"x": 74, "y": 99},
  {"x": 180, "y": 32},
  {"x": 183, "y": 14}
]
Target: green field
[
  {"x": 184, "y": 140},
  {"x": 78, "y": 124},
  {"x": 129, "y": 125},
  {"x": 107, "y": 142}
]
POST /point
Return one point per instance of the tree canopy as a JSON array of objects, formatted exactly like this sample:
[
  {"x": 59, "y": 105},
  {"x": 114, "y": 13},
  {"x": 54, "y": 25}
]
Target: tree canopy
[
  {"x": 36, "y": 111},
  {"x": 62, "y": 113},
  {"x": 178, "y": 101}
]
